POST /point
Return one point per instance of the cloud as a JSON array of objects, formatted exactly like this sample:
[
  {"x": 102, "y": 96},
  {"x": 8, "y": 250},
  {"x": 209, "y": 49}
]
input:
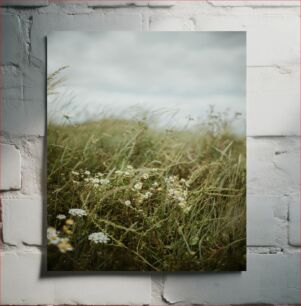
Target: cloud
[{"x": 183, "y": 70}]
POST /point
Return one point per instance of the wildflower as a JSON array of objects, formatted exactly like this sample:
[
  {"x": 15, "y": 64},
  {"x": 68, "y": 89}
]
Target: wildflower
[
  {"x": 95, "y": 180},
  {"x": 155, "y": 184},
  {"x": 145, "y": 176},
  {"x": 67, "y": 230},
  {"x": 184, "y": 182},
  {"x": 99, "y": 237},
  {"x": 69, "y": 222},
  {"x": 130, "y": 167},
  {"x": 184, "y": 207},
  {"x": 52, "y": 236},
  {"x": 99, "y": 174},
  {"x": 104, "y": 181},
  {"x": 138, "y": 186},
  {"x": 74, "y": 172},
  {"x": 127, "y": 203},
  {"x": 118, "y": 172},
  {"x": 61, "y": 217},
  {"x": 77, "y": 212},
  {"x": 64, "y": 245},
  {"x": 87, "y": 172},
  {"x": 147, "y": 195}
]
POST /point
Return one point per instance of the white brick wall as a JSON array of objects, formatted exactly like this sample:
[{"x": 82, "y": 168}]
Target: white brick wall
[{"x": 273, "y": 97}]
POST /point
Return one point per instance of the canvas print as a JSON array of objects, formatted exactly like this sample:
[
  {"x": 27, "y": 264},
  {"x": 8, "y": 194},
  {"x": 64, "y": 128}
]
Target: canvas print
[{"x": 146, "y": 151}]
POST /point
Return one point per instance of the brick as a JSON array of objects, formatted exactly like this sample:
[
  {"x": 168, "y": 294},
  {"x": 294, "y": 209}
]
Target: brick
[
  {"x": 13, "y": 46},
  {"x": 23, "y": 93},
  {"x": 10, "y": 169},
  {"x": 22, "y": 221},
  {"x": 122, "y": 22},
  {"x": 268, "y": 279},
  {"x": 273, "y": 100},
  {"x": 12, "y": 98},
  {"x": 22, "y": 283},
  {"x": 273, "y": 165},
  {"x": 250, "y": 3},
  {"x": 33, "y": 166},
  {"x": 260, "y": 219},
  {"x": 169, "y": 23},
  {"x": 114, "y": 4},
  {"x": 160, "y": 3},
  {"x": 24, "y": 3},
  {"x": 294, "y": 220},
  {"x": 268, "y": 34}
]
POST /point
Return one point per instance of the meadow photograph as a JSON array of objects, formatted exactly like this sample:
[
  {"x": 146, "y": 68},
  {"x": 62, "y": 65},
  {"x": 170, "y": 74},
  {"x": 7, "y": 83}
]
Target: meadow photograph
[{"x": 146, "y": 151}]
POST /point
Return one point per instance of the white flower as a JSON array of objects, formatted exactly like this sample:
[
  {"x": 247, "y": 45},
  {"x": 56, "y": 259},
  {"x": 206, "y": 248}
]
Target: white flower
[
  {"x": 99, "y": 237},
  {"x": 77, "y": 212},
  {"x": 104, "y": 181},
  {"x": 138, "y": 186},
  {"x": 74, "y": 172},
  {"x": 145, "y": 176},
  {"x": 130, "y": 167},
  {"x": 155, "y": 184},
  {"x": 118, "y": 172},
  {"x": 64, "y": 245},
  {"x": 61, "y": 217},
  {"x": 127, "y": 203},
  {"x": 87, "y": 172},
  {"x": 147, "y": 195},
  {"x": 52, "y": 236}
]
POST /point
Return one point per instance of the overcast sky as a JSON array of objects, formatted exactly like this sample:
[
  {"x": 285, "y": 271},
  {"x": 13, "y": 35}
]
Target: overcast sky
[{"x": 176, "y": 72}]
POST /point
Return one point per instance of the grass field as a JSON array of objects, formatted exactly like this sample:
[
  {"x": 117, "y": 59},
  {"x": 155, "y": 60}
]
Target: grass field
[
  {"x": 126, "y": 196},
  {"x": 166, "y": 200}
]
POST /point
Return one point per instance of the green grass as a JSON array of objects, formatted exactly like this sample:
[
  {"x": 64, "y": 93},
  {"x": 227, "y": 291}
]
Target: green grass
[{"x": 192, "y": 216}]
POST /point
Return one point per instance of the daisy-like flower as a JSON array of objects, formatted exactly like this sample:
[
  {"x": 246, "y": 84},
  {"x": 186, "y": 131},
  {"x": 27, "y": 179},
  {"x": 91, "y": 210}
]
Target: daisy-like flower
[
  {"x": 155, "y": 184},
  {"x": 147, "y": 195},
  {"x": 69, "y": 222},
  {"x": 99, "y": 237},
  {"x": 64, "y": 245},
  {"x": 145, "y": 176},
  {"x": 61, "y": 217},
  {"x": 127, "y": 203},
  {"x": 138, "y": 186},
  {"x": 52, "y": 236},
  {"x": 104, "y": 181},
  {"x": 77, "y": 212},
  {"x": 67, "y": 230}
]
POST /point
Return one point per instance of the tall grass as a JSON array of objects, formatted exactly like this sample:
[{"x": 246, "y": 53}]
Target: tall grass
[{"x": 167, "y": 200}]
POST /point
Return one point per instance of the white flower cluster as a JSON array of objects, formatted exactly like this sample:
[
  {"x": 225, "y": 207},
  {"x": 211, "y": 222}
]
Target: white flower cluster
[
  {"x": 77, "y": 212},
  {"x": 177, "y": 190},
  {"x": 63, "y": 244},
  {"x": 138, "y": 186},
  {"x": 52, "y": 236},
  {"x": 127, "y": 203},
  {"x": 99, "y": 237},
  {"x": 128, "y": 172},
  {"x": 61, "y": 217}
]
